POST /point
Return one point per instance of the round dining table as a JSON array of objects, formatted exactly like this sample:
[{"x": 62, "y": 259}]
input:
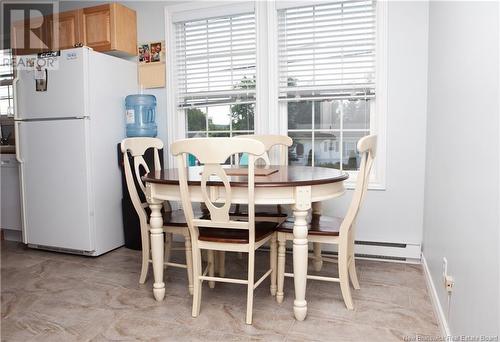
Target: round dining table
[{"x": 301, "y": 187}]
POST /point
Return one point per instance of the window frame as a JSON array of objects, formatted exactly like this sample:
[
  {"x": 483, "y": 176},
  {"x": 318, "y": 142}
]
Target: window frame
[
  {"x": 184, "y": 90},
  {"x": 8, "y": 80},
  {"x": 267, "y": 87}
]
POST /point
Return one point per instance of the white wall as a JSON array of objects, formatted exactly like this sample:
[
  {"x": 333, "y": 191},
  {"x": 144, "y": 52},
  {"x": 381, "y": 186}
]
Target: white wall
[
  {"x": 396, "y": 214},
  {"x": 461, "y": 220}
]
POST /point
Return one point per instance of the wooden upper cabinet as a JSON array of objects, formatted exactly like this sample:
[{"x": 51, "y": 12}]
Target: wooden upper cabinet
[
  {"x": 105, "y": 28},
  {"x": 110, "y": 28},
  {"x": 96, "y": 28},
  {"x": 68, "y": 29}
]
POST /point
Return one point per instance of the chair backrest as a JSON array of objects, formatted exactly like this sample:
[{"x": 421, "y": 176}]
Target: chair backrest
[
  {"x": 367, "y": 147},
  {"x": 137, "y": 147},
  {"x": 212, "y": 153},
  {"x": 269, "y": 141}
]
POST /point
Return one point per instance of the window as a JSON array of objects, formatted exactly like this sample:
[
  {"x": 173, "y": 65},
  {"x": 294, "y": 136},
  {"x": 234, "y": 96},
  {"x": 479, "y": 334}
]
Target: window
[
  {"x": 6, "y": 76},
  {"x": 216, "y": 65},
  {"x": 306, "y": 69},
  {"x": 326, "y": 67}
]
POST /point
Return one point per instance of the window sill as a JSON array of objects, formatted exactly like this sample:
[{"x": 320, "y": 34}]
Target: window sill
[{"x": 350, "y": 185}]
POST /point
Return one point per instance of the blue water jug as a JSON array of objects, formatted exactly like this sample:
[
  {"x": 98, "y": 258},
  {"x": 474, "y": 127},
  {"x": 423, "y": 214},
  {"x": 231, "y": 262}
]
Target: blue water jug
[{"x": 140, "y": 115}]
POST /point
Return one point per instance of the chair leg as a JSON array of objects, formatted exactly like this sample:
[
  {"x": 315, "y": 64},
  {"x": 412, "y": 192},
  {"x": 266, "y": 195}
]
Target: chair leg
[
  {"x": 145, "y": 259},
  {"x": 211, "y": 267},
  {"x": 318, "y": 261},
  {"x": 197, "y": 270},
  {"x": 344, "y": 278},
  {"x": 251, "y": 266},
  {"x": 189, "y": 262},
  {"x": 353, "y": 275},
  {"x": 281, "y": 268},
  {"x": 273, "y": 258},
  {"x": 221, "y": 267}
]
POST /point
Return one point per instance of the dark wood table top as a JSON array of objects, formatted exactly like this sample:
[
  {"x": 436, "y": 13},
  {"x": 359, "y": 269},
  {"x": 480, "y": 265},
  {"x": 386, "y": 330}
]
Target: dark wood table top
[{"x": 286, "y": 176}]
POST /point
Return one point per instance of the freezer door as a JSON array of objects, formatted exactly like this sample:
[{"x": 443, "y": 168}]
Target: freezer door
[
  {"x": 56, "y": 193},
  {"x": 66, "y": 92}
]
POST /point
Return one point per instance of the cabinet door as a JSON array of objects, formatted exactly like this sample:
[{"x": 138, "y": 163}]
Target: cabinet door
[
  {"x": 34, "y": 41},
  {"x": 68, "y": 29},
  {"x": 96, "y": 27}
]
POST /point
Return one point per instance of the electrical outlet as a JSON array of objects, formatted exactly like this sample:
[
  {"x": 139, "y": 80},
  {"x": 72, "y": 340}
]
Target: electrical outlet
[{"x": 449, "y": 283}]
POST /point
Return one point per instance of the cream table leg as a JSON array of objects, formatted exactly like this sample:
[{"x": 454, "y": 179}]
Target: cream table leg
[
  {"x": 300, "y": 250},
  {"x": 318, "y": 260},
  {"x": 157, "y": 245}
]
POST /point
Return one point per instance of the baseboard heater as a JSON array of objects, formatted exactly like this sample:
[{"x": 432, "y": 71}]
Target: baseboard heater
[{"x": 389, "y": 251}]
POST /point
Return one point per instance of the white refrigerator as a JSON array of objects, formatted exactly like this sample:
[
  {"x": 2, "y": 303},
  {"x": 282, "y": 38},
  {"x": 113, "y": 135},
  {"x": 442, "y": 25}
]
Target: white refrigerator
[{"x": 66, "y": 145}]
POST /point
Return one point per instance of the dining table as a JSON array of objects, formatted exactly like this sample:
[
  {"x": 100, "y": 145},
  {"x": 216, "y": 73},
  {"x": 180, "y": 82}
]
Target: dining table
[{"x": 301, "y": 187}]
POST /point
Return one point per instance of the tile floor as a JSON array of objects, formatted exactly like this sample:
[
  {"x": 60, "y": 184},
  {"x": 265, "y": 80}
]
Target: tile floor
[{"x": 49, "y": 296}]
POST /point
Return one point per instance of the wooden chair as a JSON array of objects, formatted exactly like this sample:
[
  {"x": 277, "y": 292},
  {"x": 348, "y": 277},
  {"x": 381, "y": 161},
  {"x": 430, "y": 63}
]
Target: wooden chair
[
  {"x": 276, "y": 213},
  {"x": 219, "y": 232},
  {"x": 334, "y": 230},
  {"x": 174, "y": 222}
]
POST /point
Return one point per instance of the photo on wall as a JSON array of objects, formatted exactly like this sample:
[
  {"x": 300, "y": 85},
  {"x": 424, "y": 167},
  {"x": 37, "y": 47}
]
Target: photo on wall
[
  {"x": 151, "y": 52},
  {"x": 156, "y": 52},
  {"x": 144, "y": 53}
]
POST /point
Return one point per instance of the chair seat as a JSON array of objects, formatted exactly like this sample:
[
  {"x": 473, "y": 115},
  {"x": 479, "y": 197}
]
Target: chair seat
[
  {"x": 262, "y": 230},
  {"x": 317, "y": 225}
]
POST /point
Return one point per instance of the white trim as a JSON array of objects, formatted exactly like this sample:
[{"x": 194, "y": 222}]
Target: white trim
[
  {"x": 213, "y": 10},
  {"x": 275, "y": 122},
  {"x": 262, "y": 95},
  {"x": 175, "y": 122},
  {"x": 378, "y": 176},
  {"x": 498, "y": 25},
  {"x": 283, "y": 4},
  {"x": 380, "y": 165},
  {"x": 200, "y": 5},
  {"x": 438, "y": 309}
]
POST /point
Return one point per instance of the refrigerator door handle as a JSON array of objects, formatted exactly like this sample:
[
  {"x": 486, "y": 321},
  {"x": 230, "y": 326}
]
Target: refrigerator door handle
[
  {"x": 19, "y": 158},
  {"x": 18, "y": 141},
  {"x": 14, "y": 102}
]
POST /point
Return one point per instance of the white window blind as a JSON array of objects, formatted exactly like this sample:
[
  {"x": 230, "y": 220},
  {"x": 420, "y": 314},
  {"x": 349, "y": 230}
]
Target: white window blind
[
  {"x": 216, "y": 60},
  {"x": 327, "y": 51}
]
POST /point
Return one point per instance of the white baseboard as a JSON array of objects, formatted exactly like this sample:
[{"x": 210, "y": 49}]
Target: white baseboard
[{"x": 438, "y": 308}]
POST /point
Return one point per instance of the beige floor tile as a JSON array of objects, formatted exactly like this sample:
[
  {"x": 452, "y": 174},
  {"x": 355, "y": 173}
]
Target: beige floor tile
[{"x": 50, "y": 296}]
